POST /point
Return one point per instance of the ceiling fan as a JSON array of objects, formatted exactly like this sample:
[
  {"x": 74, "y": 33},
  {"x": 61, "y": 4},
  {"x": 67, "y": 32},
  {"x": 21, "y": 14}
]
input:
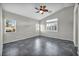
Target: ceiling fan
[{"x": 42, "y": 9}]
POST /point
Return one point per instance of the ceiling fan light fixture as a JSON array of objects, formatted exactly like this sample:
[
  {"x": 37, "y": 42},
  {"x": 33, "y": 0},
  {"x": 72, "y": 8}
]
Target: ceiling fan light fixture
[
  {"x": 42, "y": 9},
  {"x": 41, "y": 12}
]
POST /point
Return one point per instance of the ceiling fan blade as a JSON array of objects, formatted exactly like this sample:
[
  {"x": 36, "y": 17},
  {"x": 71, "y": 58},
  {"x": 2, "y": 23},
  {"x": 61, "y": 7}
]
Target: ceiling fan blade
[
  {"x": 36, "y": 8},
  {"x": 44, "y": 7},
  {"x": 37, "y": 12},
  {"x": 45, "y": 10}
]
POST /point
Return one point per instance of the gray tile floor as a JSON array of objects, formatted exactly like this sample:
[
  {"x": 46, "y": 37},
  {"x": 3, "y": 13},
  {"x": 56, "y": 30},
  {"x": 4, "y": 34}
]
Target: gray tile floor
[{"x": 40, "y": 46}]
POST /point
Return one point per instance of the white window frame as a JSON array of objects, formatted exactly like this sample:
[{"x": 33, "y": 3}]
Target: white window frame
[{"x": 51, "y": 25}]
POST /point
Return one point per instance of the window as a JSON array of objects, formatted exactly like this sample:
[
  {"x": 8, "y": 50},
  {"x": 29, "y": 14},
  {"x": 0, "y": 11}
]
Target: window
[
  {"x": 10, "y": 25},
  {"x": 37, "y": 27},
  {"x": 52, "y": 25}
]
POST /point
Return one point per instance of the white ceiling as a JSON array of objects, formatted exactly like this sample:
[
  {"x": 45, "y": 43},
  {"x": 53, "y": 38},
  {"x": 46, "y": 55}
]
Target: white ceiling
[{"x": 28, "y": 9}]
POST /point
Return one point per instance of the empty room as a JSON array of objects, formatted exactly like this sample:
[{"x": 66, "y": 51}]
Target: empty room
[{"x": 39, "y": 29}]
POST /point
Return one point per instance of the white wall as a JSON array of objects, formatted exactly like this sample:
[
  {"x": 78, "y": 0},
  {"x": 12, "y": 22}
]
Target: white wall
[
  {"x": 65, "y": 24},
  {"x": 25, "y": 28},
  {"x": 1, "y": 30}
]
